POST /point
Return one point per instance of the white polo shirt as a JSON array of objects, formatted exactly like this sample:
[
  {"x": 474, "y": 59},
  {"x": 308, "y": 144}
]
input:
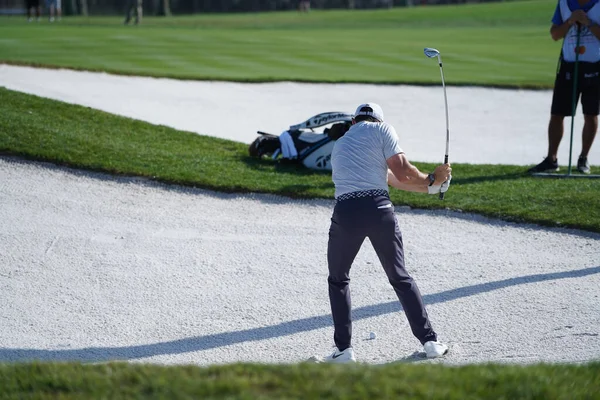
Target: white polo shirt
[{"x": 358, "y": 159}]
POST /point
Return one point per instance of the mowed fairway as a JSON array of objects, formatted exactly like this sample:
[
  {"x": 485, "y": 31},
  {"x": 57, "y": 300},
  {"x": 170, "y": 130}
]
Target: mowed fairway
[{"x": 500, "y": 44}]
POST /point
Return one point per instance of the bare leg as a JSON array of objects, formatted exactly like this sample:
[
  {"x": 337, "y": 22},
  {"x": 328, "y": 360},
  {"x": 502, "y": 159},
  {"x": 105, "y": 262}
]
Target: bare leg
[
  {"x": 555, "y": 134},
  {"x": 128, "y": 15},
  {"x": 590, "y": 127},
  {"x": 138, "y": 16}
]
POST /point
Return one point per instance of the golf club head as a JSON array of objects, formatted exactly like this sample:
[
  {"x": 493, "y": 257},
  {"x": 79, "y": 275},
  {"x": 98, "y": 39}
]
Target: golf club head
[{"x": 431, "y": 52}]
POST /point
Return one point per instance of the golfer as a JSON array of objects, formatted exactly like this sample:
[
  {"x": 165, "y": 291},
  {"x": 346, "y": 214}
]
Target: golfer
[{"x": 364, "y": 161}]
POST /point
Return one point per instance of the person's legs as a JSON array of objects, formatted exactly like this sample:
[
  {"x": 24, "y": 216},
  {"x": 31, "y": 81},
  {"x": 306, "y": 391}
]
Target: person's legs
[
  {"x": 33, "y": 6},
  {"x": 139, "y": 10},
  {"x": 590, "y": 128},
  {"x": 562, "y": 105},
  {"x": 590, "y": 103},
  {"x": 130, "y": 5},
  {"x": 28, "y": 7},
  {"x": 342, "y": 248},
  {"x": 555, "y": 134},
  {"x": 387, "y": 242}
]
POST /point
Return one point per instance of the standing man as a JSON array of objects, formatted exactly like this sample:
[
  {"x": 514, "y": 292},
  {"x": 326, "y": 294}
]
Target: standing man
[
  {"x": 569, "y": 17},
  {"x": 133, "y": 6},
  {"x": 364, "y": 161}
]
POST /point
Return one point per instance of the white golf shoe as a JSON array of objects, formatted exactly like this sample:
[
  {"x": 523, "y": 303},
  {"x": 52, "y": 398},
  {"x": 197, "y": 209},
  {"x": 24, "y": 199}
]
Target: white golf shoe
[
  {"x": 435, "y": 349},
  {"x": 340, "y": 357}
]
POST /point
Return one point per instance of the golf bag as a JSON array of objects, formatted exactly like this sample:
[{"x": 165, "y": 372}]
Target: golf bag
[{"x": 301, "y": 144}]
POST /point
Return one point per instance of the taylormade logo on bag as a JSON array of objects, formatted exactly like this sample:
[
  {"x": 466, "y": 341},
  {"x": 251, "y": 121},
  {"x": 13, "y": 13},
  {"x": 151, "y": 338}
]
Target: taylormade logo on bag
[
  {"x": 326, "y": 118},
  {"x": 322, "y": 161}
]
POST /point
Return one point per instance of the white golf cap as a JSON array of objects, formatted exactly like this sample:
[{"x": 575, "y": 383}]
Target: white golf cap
[{"x": 370, "y": 109}]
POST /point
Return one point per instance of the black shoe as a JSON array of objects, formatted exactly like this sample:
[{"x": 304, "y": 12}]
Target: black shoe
[
  {"x": 583, "y": 165},
  {"x": 546, "y": 166}
]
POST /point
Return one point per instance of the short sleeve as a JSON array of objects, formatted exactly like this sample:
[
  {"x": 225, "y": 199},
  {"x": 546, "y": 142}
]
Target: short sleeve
[
  {"x": 391, "y": 144},
  {"x": 557, "y": 18}
]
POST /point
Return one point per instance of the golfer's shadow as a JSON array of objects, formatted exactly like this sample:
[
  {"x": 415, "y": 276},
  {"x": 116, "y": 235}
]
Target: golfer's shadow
[
  {"x": 417, "y": 356},
  {"x": 201, "y": 343}
]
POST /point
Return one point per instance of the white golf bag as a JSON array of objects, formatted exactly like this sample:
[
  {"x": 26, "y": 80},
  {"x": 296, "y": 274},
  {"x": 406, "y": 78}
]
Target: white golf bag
[{"x": 301, "y": 144}]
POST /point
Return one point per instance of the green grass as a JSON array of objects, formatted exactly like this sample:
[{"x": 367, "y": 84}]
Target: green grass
[
  {"x": 303, "y": 381},
  {"x": 497, "y": 44},
  {"x": 42, "y": 129}
]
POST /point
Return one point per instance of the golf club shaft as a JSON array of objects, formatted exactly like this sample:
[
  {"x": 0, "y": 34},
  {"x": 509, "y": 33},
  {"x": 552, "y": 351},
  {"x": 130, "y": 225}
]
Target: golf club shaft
[
  {"x": 447, "y": 120},
  {"x": 574, "y": 94}
]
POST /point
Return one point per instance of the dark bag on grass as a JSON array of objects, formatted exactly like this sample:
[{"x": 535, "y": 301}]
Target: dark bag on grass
[{"x": 301, "y": 144}]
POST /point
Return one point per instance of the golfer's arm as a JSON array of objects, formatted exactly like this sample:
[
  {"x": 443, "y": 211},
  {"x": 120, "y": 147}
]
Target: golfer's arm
[
  {"x": 409, "y": 187},
  {"x": 595, "y": 29},
  {"x": 559, "y": 31},
  {"x": 404, "y": 175}
]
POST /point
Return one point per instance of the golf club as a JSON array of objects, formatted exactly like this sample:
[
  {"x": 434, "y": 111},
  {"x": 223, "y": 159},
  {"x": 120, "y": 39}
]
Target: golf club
[
  {"x": 574, "y": 94},
  {"x": 430, "y": 52}
]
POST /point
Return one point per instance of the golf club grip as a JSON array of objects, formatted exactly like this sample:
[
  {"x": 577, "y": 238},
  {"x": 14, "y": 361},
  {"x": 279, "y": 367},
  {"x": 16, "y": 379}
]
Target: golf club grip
[{"x": 445, "y": 162}]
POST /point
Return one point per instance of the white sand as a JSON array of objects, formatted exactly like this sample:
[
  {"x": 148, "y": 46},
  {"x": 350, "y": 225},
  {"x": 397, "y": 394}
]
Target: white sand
[{"x": 96, "y": 268}]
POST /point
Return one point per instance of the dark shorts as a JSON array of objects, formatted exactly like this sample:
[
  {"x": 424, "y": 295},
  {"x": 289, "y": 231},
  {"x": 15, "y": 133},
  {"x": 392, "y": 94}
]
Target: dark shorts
[
  {"x": 32, "y": 3},
  {"x": 588, "y": 87}
]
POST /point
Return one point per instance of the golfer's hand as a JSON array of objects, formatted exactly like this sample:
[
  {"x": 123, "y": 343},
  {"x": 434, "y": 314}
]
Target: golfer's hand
[
  {"x": 443, "y": 188},
  {"x": 581, "y": 17},
  {"x": 442, "y": 173}
]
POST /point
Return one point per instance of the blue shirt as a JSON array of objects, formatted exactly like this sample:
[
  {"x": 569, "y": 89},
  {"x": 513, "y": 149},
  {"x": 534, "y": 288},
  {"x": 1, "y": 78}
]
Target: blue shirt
[{"x": 573, "y": 6}]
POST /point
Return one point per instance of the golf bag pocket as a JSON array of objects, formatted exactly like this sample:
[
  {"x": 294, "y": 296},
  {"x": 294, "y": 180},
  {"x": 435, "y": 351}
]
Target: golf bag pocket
[{"x": 590, "y": 74}]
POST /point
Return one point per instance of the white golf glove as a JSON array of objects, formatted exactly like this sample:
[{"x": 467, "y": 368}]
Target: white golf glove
[
  {"x": 443, "y": 188},
  {"x": 434, "y": 189},
  {"x": 446, "y": 185}
]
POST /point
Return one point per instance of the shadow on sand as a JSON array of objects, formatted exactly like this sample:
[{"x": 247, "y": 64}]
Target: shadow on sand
[{"x": 200, "y": 343}]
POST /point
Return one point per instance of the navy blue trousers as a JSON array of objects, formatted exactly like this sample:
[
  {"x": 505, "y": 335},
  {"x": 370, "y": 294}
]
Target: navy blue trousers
[{"x": 353, "y": 220}]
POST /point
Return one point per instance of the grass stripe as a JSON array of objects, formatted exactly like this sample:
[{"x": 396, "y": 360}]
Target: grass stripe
[{"x": 498, "y": 44}]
